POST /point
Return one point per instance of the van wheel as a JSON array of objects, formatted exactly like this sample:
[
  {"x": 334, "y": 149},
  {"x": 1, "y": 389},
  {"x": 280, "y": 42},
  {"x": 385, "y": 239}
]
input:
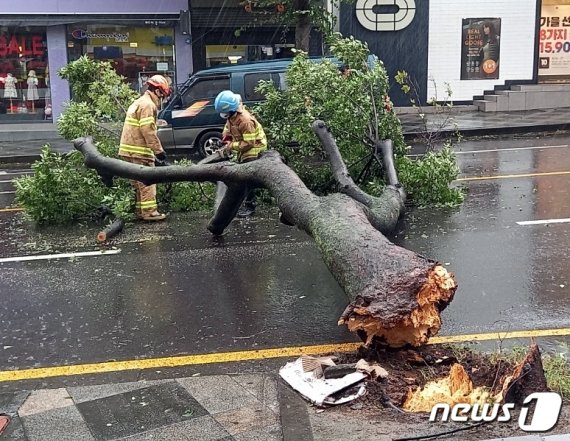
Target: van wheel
[{"x": 209, "y": 143}]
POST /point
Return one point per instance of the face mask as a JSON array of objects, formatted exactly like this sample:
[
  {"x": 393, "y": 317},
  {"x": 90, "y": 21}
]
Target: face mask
[{"x": 225, "y": 115}]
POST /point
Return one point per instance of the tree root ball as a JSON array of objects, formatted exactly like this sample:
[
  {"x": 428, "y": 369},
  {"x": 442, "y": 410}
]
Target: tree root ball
[{"x": 414, "y": 328}]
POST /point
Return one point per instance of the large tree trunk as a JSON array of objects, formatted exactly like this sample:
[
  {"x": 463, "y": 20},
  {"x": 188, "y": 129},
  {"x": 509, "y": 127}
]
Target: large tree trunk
[
  {"x": 395, "y": 295},
  {"x": 303, "y": 25}
]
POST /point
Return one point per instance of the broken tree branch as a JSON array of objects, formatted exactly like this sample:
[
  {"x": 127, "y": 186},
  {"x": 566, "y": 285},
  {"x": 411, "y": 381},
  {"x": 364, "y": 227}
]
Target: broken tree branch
[
  {"x": 396, "y": 295},
  {"x": 384, "y": 211}
]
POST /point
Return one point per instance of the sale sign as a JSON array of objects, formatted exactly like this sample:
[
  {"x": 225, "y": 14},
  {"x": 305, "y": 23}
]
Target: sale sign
[
  {"x": 21, "y": 45},
  {"x": 554, "y": 59}
]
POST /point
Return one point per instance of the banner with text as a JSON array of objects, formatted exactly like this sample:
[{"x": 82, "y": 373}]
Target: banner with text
[
  {"x": 554, "y": 48},
  {"x": 480, "y": 48}
]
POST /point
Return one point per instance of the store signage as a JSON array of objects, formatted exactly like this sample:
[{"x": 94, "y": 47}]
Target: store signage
[
  {"x": 554, "y": 58},
  {"x": 369, "y": 14},
  {"x": 156, "y": 22},
  {"x": 480, "y": 48},
  {"x": 80, "y": 34},
  {"x": 22, "y": 45}
]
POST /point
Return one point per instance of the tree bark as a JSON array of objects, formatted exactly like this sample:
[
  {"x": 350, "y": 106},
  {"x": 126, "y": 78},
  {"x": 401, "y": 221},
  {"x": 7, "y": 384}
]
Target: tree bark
[
  {"x": 395, "y": 295},
  {"x": 303, "y": 25},
  {"x": 527, "y": 378}
]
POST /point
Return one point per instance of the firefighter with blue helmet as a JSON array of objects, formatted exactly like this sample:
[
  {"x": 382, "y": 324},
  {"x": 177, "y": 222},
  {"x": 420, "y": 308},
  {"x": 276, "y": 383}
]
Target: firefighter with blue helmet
[{"x": 242, "y": 135}]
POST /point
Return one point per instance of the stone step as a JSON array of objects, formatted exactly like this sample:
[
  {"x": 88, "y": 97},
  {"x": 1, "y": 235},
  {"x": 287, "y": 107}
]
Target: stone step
[
  {"x": 502, "y": 102},
  {"x": 541, "y": 88},
  {"x": 486, "y": 106}
]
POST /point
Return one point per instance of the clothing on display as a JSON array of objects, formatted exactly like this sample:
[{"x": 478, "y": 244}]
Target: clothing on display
[
  {"x": 10, "y": 90},
  {"x": 33, "y": 86}
]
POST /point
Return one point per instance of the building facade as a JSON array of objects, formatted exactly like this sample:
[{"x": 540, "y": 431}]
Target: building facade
[
  {"x": 472, "y": 47},
  {"x": 38, "y": 37},
  {"x": 229, "y": 32}
]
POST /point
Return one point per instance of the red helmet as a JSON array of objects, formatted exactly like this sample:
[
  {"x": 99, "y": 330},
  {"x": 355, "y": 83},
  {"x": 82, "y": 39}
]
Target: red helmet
[{"x": 160, "y": 83}]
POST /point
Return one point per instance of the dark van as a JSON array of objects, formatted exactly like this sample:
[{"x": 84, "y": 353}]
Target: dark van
[{"x": 189, "y": 120}]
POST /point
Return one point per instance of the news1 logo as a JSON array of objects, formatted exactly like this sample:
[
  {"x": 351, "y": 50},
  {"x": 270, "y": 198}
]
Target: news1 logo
[
  {"x": 545, "y": 416},
  {"x": 385, "y": 15}
]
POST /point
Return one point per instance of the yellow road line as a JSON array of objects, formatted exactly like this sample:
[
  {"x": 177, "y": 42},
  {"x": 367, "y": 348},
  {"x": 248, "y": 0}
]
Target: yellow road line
[
  {"x": 166, "y": 362},
  {"x": 525, "y": 175},
  {"x": 10, "y": 210},
  {"x": 229, "y": 357},
  {"x": 500, "y": 336}
]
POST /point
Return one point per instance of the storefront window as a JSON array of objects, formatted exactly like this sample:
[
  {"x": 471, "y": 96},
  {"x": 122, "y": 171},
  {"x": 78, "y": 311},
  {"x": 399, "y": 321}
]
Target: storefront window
[
  {"x": 136, "y": 52},
  {"x": 24, "y": 74},
  {"x": 235, "y": 54}
]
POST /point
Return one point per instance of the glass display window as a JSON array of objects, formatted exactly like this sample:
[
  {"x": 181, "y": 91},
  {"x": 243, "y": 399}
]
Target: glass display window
[
  {"x": 134, "y": 51},
  {"x": 24, "y": 73}
]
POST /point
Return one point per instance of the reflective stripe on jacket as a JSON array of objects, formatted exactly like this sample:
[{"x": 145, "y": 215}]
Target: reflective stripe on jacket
[
  {"x": 139, "y": 138},
  {"x": 247, "y": 135}
]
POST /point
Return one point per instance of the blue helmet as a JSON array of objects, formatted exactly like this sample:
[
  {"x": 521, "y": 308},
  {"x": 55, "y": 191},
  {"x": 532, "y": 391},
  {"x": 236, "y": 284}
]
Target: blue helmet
[{"x": 227, "y": 101}]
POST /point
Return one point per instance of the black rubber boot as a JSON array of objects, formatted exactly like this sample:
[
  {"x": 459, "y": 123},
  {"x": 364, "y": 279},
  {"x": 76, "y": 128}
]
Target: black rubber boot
[{"x": 248, "y": 207}]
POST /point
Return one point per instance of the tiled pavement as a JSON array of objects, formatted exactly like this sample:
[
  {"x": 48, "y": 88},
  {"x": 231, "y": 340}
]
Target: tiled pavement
[{"x": 221, "y": 408}]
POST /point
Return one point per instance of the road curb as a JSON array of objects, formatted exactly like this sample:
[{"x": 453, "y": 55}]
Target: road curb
[
  {"x": 511, "y": 130},
  {"x": 295, "y": 421},
  {"x": 24, "y": 159}
]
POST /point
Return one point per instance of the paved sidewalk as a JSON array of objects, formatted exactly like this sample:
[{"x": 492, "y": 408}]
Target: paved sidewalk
[
  {"x": 231, "y": 407},
  {"x": 486, "y": 123},
  {"x": 221, "y": 407},
  {"x": 23, "y": 142}
]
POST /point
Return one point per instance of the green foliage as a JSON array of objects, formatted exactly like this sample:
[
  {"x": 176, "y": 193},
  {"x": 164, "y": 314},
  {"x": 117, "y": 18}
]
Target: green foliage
[
  {"x": 187, "y": 196},
  {"x": 556, "y": 368},
  {"x": 358, "y": 110},
  {"x": 100, "y": 97},
  {"x": 557, "y": 373},
  {"x": 62, "y": 190},
  {"x": 98, "y": 85},
  {"x": 80, "y": 75},
  {"x": 427, "y": 179}
]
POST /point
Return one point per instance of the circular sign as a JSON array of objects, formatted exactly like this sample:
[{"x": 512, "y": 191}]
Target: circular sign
[{"x": 489, "y": 66}]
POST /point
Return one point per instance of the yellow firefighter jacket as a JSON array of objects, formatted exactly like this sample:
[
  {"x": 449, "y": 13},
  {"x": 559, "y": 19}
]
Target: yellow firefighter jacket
[
  {"x": 247, "y": 136},
  {"x": 139, "y": 139}
]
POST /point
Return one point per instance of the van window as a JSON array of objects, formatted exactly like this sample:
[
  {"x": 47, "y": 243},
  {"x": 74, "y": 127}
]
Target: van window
[
  {"x": 251, "y": 81},
  {"x": 205, "y": 88},
  {"x": 279, "y": 80}
]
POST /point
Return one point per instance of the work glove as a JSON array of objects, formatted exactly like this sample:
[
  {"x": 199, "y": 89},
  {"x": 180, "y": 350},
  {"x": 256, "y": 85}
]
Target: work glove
[
  {"x": 160, "y": 160},
  {"x": 225, "y": 151}
]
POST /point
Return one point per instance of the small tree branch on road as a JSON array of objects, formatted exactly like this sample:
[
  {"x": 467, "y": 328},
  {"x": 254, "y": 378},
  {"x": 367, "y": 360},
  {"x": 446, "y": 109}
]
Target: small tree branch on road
[{"x": 396, "y": 295}]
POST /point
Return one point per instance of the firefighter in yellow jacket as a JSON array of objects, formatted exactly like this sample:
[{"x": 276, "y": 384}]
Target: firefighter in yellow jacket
[
  {"x": 140, "y": 143},
  {"x": 243, "y": 135}
]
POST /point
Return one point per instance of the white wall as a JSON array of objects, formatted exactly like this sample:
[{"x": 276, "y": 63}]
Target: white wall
[{"x": 518, "y": 23}]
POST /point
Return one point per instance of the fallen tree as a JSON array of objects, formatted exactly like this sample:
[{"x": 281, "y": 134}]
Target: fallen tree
[{"x": 396, "y": 295}]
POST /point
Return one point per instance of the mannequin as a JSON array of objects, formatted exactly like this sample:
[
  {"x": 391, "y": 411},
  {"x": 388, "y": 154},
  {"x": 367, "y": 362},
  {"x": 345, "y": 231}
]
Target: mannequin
[
  {"x": 33, "y": 89},
  {"x": 10, "y": 90},
  {"x": 48, "y": 90},
  {"x": 142, "y": 81}
]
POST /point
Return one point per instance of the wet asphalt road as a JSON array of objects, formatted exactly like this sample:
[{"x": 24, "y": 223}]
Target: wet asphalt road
[{"x": 172, "y": 289}]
